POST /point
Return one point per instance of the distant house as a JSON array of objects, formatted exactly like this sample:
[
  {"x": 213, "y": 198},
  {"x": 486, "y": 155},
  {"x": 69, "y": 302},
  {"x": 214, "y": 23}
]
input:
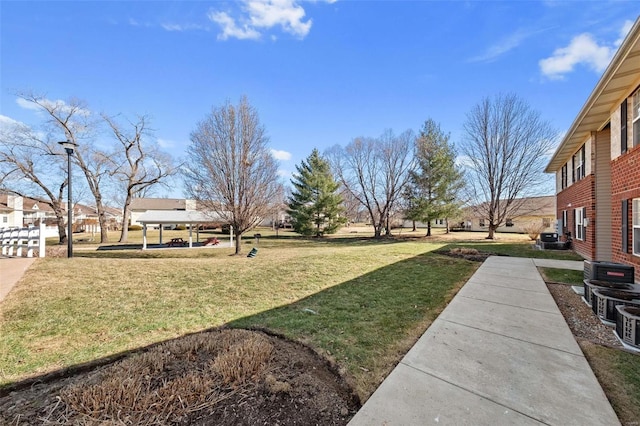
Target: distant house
[
  {"x": 140, "y": 206},
  {"x": 11, "y": 211},
  {"x": 19, "y": 211},
  {"x": 16, "y": 211},
  {"x": 597, "y": 164},
  {"x": 86, "y": 218},
  {"x": 531, "y": 211}
]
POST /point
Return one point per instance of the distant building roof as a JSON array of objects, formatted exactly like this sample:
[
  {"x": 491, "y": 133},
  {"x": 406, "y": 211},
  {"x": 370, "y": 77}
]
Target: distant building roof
[
  {"x": 160, "y": 204},
  {"x": 178, "y": 216},
  {"x": 530, "y": 206}
]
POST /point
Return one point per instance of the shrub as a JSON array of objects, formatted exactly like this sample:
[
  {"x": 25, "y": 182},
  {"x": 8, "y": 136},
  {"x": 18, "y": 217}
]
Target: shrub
[
  {"x": 180, "y": 227},
  {"x": 134, "y": 228},
  {"x": 533, "y": 229}
]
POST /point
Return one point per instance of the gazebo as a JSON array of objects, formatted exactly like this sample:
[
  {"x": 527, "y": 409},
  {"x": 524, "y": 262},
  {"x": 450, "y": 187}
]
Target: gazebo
[{"x": 175, "y": 217}]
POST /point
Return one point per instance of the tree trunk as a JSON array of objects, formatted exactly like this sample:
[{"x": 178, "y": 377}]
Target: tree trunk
[
  {"x": 62, "y": 230},
  {"x": 428, "y": 228},
  {"x": 492, "y": 229},
  {"x": 446, "y": 224},
  {"x": 124, "y": 232},
  {"x": 414, "y": 226},
  {"x": 377, "y": 230},
  {"x": 102, "y": 220},
  {"x": 238, "y": 242}
]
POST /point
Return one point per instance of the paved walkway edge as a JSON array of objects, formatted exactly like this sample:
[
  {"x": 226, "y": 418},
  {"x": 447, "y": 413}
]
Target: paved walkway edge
[
  {"x": 11, "y": 271},
  {"x": 500, "y": 353}
]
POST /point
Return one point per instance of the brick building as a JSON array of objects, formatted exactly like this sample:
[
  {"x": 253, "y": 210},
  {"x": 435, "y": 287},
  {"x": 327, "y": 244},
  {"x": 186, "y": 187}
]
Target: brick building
[{"x": 597, "y": 165}]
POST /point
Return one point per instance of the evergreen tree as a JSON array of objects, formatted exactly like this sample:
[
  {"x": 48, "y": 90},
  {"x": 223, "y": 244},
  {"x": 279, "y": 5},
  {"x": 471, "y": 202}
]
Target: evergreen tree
[
  {"x": 437, "y": 181},
  {"x": 315, "y": 206}
]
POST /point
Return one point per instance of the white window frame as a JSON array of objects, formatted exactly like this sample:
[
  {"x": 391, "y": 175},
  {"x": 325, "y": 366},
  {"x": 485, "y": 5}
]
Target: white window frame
[
  {"x": 578, "y": 220},
  {"x": 635, "y": 114},
  {"x": 635, "y": 214},
  {"x": 481, "y": 223},
  {"x": 578, "y": 164}
]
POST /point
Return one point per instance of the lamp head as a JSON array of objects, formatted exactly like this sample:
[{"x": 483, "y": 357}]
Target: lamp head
[{"x": 68, "y": 146}]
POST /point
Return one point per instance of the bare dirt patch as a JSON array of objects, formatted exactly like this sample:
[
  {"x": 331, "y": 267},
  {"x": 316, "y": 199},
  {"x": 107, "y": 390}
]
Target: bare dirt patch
[
  {"x": 222, "y": 377},
  {"x": 466, "y": 253}
]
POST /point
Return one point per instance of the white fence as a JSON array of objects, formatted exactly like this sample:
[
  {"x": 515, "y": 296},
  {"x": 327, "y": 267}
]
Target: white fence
[{"x": 19, "y": 240}]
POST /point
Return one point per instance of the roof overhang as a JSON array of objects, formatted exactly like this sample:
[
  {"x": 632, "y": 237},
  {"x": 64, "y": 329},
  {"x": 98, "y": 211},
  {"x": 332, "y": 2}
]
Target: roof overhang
[
  {"x": 178, "y": 217},
  {"x": 614, "y": 85}
]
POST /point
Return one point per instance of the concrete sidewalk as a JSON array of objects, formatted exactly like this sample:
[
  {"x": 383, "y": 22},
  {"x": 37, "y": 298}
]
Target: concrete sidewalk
[
  {"x": 11, "y": 270},
  {"x": 500, "y": 353}
]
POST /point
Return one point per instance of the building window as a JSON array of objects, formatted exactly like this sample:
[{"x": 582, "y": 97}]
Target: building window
[
  {"x": 635, "y": 212},
  {"x": 481, "y": 223},
  {"x": 509, "y": 222},
  {"x": 623, "y": 126},
  {"x": 578, "y": 164},
  {"x": 636, "y": 118},
  {"x": 546, "y": 222},
  {"x": 564, "y": 177},
  {"x": 5, "y": 219},
  {"x": 578, "y": 220}
]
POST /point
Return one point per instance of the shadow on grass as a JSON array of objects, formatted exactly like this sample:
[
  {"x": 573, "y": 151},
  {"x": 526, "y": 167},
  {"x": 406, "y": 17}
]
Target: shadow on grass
[
  {"x": 364, "y": 325},
  {"x": 154, "y": 251}
]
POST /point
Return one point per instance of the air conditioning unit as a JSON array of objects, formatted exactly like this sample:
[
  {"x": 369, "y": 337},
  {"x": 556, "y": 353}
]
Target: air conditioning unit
[
  {"x": 628, "y": 326},
  {"x": 604, "y": 303},
  {"x": 591, "y": 285},
  {"x": 608, "y": 271},
  {"x": 549, "y": 237}
]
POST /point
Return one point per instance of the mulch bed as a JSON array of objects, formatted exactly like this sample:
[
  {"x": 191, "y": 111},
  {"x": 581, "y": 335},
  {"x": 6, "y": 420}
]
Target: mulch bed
[{"x": 221, "y": 377}]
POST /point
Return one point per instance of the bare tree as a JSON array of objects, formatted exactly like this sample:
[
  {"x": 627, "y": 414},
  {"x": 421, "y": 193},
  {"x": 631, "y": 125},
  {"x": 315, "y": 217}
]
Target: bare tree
[
  {"x": 28, "y": 162},
  {"x": 506, "y": 146},
  {"x": 138, "y": 164},
  {"x": 231, "y": 170},
  {"x": 74, "y": 120},
  {"x": 375, "y": 171}
]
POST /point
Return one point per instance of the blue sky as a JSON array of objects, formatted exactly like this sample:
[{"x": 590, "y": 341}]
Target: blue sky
[{"x": 319, "y": 72}]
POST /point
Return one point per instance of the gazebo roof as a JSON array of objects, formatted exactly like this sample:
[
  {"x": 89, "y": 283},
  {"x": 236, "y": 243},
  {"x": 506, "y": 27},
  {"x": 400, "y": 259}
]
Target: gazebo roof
[{"x": 178, "y": 216}]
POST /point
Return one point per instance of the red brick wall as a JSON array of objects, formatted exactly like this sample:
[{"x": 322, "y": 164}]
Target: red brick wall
[
  {"x": 625, "y": 185},
  {"x": 580, "y": 194}
]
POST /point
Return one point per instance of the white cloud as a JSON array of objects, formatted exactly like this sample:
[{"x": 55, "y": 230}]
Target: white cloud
[
  {"x": 507, "y": 44},
  {"x": 54, "y": 105},
  {"x": 8, "y": 121},
  {"x": 181, "y": 27},
  {"x": 582, "y": 49},
  {"x": 257, "y": 16},
  {"x": 166, "y": 143},
  {"x": 231, "y": 29},
  {"x": 626, "y": 27},
  {"x": 284, "y": 173},
  {"x": 281, "y": 155}
]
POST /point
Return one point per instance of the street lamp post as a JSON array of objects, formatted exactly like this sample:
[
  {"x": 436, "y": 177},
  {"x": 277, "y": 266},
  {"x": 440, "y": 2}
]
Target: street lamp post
[{"x": 69, "y": 147}]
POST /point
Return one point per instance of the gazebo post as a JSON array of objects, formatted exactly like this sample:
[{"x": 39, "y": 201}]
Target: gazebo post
[
  {"x": 190, "y": 233},
  {"x": 144, "y": 236}
]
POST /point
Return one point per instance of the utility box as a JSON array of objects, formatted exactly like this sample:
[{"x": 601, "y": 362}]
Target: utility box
[
  {"x": 608, "y": 271},
  {"x": 549, "y": 237}
]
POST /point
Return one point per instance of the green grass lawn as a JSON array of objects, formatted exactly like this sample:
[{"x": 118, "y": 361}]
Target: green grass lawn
[
  {"x": 360, "y": 301},
  {"x": 370, "y": 301}
]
